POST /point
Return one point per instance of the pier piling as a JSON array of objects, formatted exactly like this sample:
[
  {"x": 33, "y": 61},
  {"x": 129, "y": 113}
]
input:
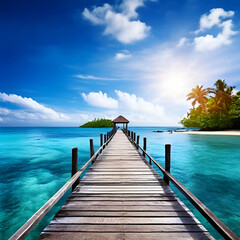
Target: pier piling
[
  {"x": 167, "y": 161},
  {"x": 144, "y": 146},
  {"x": 91, "y": 149},
  {"x": 75, "y": 165}
]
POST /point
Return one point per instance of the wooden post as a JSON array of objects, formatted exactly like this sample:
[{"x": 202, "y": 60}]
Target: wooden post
[
  {"x": 144, "y": 145},
  {"x": 75, "y": 165},
  {"x": 138, "y": 140},
  {"x": 101, "y": 139},
  {"x": 131, "y": 134},
  {"x": 91, "y": 149},
  {"x": 105, "y": 139},
  {"x": 134, "y": 137},
  {"x": 128, "y": 133},
  {"x": 167, "y": 161}
]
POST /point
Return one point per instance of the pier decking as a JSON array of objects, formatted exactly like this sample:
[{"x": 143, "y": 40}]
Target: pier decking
[{"x": 122, "y": 197}]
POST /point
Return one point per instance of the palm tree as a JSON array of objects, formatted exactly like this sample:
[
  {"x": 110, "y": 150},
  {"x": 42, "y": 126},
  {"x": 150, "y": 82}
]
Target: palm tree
[
  {"x": 199, "y": 95},
  {"x": 223, "y": 96}
]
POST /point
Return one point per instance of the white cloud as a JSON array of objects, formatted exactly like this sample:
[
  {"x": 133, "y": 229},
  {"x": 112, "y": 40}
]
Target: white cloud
[
  {"x": 138, "y": 110},
  {"x": 97, "y": 16},
  {"x": 123, "y": 55},
  {"x": 94, "y": 77},
  {"x": 138, "y": 105},
  {"x": 182, "y": 42},
  {"x": 31, "y": 113},
  {"x": 99, "y": 99},
  {"x": 22, "y": 117},
  {"x": 37, "y": 110},
  {"x": 129, "y": 7},
  {"x": 4, "y": 111},
  {"x": 124, "y": 30},
  {"x": 119, "y": 24},
  {"x": 215, "y": 18}
]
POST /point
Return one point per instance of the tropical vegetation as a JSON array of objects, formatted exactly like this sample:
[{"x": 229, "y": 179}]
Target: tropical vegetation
[
  {"x": 98, "y": 123},
  {"x": 213, "y": 108}
]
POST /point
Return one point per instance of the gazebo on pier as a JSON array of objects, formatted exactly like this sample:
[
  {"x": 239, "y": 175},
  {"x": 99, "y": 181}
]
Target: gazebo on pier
[{"x": 121, "y": 119}]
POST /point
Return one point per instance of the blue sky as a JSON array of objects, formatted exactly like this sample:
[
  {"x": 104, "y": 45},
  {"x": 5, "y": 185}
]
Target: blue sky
[{"x": 66, "y": 62}]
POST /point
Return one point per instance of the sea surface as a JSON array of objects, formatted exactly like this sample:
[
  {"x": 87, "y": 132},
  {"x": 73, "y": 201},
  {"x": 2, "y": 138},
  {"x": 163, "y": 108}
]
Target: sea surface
[{"x": 36, "y": 162}]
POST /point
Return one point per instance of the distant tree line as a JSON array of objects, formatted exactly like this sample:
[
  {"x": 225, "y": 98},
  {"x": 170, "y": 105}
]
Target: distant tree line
[
  {"x": 98, "y": 123},
  {"x": 213, "y": 108}
]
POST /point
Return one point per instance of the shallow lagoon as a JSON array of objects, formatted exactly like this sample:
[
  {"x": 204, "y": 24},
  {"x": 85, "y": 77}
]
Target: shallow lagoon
[{"x": 36, "y": 162}]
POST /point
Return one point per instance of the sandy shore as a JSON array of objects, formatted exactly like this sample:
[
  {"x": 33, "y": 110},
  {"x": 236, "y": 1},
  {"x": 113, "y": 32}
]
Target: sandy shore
[{"x": 225, "y": 132}]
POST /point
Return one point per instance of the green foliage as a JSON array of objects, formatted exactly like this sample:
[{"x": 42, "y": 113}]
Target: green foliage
[
  {"x": 222, "y": 109},
  {"x": 98, "y": 123}
]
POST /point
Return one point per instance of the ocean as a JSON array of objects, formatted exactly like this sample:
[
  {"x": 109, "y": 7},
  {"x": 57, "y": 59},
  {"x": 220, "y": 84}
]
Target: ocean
[{"x": 35, "y": 162}]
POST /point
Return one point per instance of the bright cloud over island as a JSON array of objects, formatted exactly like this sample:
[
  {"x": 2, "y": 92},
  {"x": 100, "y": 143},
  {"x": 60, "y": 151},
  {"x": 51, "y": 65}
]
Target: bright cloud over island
[{"x": 137, "y": 58}]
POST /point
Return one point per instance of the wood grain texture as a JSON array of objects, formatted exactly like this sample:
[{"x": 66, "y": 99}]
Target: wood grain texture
[
  {"x": 123, "y": 197},
  {"x": 125, "y": 236}
]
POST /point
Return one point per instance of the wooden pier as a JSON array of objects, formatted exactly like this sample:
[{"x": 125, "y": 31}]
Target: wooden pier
[{"x": 122, "y": 197}]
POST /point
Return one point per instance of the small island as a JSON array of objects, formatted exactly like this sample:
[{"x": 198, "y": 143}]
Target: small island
[
  {"x": 217, "y": 108},
  {"x": 98, "y": 123}
]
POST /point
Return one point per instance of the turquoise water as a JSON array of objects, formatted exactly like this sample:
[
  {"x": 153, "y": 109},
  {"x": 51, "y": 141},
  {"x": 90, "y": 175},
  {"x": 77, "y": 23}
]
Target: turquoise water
[{"x": 36, "y": 162}]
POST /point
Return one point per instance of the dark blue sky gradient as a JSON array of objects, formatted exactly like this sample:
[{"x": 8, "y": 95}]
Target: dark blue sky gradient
[{"x": 44, "y": 44}]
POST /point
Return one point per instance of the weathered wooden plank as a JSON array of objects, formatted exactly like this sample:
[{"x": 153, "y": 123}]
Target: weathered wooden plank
[
  {"x": 112, "y": 182},
  {"x": 123, "y": 197},
  {"x": 118, "y": 170},
  {"x": 69, "y": 213},
  {"x": 142, "y": 173},
  {"x": 121, "y": 155},
  {"x": 125, "y": 220},
  {"x": 78, "y": 207},
  {"x": 108, "y": 167},
  {"x": 124, "y": 228},
  {"x": 120, "y": 164},
  {"x": 126, "y": 236},
  {"x": 144, "y": 188},
  {"x": 117, "y": 191},
  {"x": 92, "y": 188},
  {"x": 122, "y": 203},
  {"x": 121, "y": 176},
  {"x": 115, "y": 198}
]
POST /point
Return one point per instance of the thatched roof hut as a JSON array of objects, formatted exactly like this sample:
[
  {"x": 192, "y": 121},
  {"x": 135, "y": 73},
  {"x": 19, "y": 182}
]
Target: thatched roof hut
[{"x": 121, "y": 119}]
